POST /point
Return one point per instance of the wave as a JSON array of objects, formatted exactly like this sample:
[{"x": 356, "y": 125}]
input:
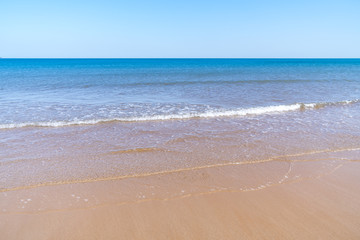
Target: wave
[{"x": 208, "y": 114}]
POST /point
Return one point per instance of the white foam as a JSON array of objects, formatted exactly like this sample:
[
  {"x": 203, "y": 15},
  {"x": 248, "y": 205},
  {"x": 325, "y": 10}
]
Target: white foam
[{"x": 207, "y": 114}]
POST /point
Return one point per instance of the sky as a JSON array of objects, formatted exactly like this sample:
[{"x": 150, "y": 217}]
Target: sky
[{"x": 179, "y": 29}]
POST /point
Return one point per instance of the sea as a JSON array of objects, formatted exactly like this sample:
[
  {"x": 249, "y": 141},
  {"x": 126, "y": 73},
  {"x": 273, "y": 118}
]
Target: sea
[
  {"x": 74, "y": 119},
  {"x": 62, "y": 92}
]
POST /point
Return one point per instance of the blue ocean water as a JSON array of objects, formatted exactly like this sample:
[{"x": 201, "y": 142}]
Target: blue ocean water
[{"x": 58, "y": 92}]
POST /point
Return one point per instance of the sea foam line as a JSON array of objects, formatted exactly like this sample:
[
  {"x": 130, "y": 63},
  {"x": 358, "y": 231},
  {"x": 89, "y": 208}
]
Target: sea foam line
[{"x": 209, "y": 114}]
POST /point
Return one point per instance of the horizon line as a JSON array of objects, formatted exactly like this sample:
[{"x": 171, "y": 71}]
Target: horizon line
[{"x": 179, "y": 57}]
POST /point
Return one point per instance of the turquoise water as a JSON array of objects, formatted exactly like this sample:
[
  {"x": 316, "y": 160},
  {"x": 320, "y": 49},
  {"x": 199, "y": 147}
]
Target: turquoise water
[{"x": 58, "y": 92}]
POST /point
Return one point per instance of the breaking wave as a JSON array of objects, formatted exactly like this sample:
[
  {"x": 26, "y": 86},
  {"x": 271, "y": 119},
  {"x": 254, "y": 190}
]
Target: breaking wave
[{"x": 207, "y": 114}]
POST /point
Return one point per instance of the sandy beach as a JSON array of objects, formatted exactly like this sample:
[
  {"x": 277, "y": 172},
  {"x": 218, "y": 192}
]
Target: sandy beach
[{"x": 314, "y": 195}]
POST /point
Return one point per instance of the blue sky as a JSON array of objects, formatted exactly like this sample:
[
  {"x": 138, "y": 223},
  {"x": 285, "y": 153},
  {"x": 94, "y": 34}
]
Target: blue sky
[{"x": 187, "y": 28}]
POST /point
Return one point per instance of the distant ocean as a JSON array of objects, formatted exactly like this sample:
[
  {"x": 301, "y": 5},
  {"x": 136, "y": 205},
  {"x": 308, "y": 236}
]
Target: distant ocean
[{"x": 61, "y": 92}]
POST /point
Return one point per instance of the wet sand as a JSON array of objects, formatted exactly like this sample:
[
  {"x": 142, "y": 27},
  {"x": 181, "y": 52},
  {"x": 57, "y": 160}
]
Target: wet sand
[{"x": 303, "y": 196}]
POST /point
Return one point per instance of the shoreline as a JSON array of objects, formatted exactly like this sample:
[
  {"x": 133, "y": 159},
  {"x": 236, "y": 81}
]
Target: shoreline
[{"x": 293, "y": 176}]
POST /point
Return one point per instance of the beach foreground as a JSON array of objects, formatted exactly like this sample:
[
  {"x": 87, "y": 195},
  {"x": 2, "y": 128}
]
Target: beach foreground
[{"x": 312, "y": 195}]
